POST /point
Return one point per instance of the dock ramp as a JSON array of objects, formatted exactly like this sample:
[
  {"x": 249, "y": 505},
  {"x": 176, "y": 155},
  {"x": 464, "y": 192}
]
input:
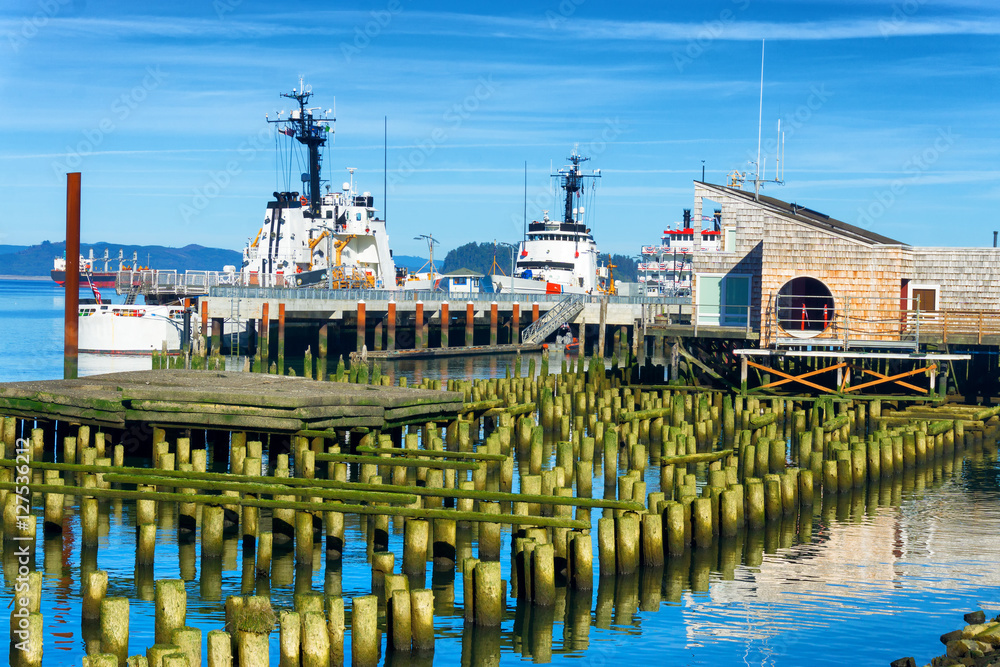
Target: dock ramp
[{"x": 564, "y": 311}]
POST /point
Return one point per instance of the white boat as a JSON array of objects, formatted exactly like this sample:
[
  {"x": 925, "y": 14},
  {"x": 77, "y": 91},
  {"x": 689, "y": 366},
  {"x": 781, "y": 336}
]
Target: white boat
[
  {"x": 129, "y": 329},
  {"x": 323, "y": 238},
  {"x": 665, "y": 269},
  {"x": 559, "y": 257}
]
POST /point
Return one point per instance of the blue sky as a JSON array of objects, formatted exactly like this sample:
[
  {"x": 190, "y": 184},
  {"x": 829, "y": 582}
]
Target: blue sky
[{"x": 889, "y": 111}]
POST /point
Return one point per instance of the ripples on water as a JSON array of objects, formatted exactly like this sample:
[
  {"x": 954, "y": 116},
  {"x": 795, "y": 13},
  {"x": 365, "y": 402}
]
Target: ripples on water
[{"x": 873, "y": 577}]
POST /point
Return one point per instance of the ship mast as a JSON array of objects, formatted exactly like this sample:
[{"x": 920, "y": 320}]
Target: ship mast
[
  {"x": 310, "y": 131},
  {"x": 572, "y": 182}
]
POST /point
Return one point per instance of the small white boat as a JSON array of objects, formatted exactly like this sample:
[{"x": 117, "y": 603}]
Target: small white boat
[{"x": 129, "y": 329}]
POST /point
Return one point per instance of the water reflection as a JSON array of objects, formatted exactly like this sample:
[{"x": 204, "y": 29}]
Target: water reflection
[{"x": 864, "y": 576}]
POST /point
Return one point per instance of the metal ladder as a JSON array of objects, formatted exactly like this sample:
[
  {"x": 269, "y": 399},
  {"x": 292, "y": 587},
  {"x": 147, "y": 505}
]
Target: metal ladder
[
  {"x": 234, "y": 325},
  {"x": 133, "y": 292},
  {"x": 564, "y": 311}
]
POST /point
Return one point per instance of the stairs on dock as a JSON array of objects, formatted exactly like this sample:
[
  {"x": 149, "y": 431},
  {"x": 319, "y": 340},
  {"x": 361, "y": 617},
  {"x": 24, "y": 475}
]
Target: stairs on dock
[
  {"x": 133, "y": 292},
  {"x": 564, "y": 311}
]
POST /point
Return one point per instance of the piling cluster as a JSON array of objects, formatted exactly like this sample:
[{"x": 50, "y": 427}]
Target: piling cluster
[{"x": 687, "y": 481}]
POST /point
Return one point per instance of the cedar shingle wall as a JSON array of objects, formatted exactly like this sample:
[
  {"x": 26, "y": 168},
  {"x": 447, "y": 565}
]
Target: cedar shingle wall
[
  {"x": 968, "y": 277},
  {"x": 870, "y": 275}
]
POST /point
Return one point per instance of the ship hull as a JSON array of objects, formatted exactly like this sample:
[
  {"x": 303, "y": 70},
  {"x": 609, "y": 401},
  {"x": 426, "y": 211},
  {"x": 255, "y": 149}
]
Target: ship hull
[
  {"x": 100, "y": 280},
  {"x": 507, "y": 285},
  {"x": 112, "y": 329}
]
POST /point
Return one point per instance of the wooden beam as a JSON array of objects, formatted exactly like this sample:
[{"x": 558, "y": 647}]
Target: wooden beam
[
  {"x": 899, "y": 382},
  {"x": 796, "y": 378},
  {"x": 893, "y": 378}
]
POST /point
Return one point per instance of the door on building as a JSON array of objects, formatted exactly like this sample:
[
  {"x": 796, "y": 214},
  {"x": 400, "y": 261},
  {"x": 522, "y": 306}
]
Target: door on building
[
  {"x": 925, "y": 299},
  {"x": 723, "y": 300},
  {"x": 735, "y": 300}
]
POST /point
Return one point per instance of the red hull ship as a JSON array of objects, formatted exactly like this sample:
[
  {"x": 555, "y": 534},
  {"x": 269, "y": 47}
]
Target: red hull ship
[{"x": 100, "y": 279}]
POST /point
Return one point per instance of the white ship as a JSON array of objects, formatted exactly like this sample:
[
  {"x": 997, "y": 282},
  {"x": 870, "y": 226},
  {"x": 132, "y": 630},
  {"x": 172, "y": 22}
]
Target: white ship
[
  {"x": 323, "y": 238},
  {"x": 560, "y": 257},
  {"x": 665, "y": 269},
  {"x": 129, "y": 329}
]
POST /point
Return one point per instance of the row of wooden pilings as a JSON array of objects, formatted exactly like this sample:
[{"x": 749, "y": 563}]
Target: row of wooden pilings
[
  {"x": 208, "y": 346},
  {"x": 722, "y": 466}
]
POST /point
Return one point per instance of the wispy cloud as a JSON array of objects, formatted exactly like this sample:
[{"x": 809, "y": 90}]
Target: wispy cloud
[{"x": 422, "y": 23}]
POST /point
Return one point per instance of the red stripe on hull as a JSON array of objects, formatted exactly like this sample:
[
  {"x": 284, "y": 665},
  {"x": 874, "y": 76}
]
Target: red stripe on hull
[{"x": 101, "y": 280}]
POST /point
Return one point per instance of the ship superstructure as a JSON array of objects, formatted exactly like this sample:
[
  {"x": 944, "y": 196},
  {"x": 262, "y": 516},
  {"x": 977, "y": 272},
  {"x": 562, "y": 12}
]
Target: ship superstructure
[
  {"x": 665, "y": 269},
  {"x": 559, "y": 256},
  {"x": 328, "y": 238}
]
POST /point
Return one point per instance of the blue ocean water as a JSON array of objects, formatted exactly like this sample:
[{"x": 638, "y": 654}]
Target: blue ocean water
[{"x": 867, "y": 578}]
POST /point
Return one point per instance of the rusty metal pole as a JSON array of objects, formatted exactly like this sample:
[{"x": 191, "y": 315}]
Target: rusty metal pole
[
  {"x": 390, "y": 343},
  {"x": 72, "y": 292},
  {"x": 445, "y": 321},
  {"x": 265, "y": 331},
  {"x": 361, "y": 325},
  {"x": 281, "y": 339},
  {"x": 469, "y": 323},
  {"x": 418, "y": 324},
  {"x": 493, "y": 323},
  {"x": 515, "y": 324},
  {"x": 204, "y": 328}
]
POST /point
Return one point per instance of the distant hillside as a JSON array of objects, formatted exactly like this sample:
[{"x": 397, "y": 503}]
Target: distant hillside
[
  {"x": 479, "y": 257},
  {"x": 626, "y": 269},
  {"x": 36, "y": 260},
  {"x": 476, "y": 257},
  {"x": 7, "y": 249},
  {"x": 410, "y": 262}
]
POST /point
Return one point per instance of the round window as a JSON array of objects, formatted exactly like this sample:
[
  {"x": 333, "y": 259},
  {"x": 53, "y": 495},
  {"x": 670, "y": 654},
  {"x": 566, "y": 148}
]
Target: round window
[{"x": 805, "y": 307}]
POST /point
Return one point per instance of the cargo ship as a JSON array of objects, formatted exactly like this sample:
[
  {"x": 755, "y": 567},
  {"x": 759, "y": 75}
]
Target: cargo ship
[{"x": 99, "y": 279}]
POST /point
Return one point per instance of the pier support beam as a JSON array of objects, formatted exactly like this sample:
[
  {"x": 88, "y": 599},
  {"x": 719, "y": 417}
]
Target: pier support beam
[
  {"x": 515, "y": 324},
  {"x": 217, "y": 335},
  {"x": 445, "y": 321},
  {"x": 390, "y": 343},
  {"x": 582, "y": 336},
  {"x": 601, "y": 327},
  {"x": 470, "y": 317},
  {"x": 534, "y": 313},
  {"x": 322, "y": 346},
  {"x": 265, "y": 325},
  {"x": 378, "y": 335},
  {"x": 281, "y": 339},
  {"x": 493, "y": 323},
  {"x": 361, "y": 325},
  {"x": 418, "y": 327},
  {"x": 204, "y": 329}
]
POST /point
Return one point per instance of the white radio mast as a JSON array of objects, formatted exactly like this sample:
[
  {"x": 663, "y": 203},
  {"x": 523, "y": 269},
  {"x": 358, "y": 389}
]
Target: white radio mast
[{"x": 760, "y": 120}]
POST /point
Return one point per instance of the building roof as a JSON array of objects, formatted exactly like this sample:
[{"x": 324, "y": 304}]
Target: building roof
[
  {"x": 810, "y": 217},
  {"x": 462, "y": 273}
]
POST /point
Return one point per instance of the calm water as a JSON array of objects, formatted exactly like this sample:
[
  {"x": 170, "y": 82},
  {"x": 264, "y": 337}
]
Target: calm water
[{"x": 869, "y": 578}]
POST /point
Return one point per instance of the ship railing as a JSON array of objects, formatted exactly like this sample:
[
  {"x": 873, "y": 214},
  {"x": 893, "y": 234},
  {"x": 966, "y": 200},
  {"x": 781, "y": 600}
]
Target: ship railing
[
  {"x": 158, "y": 282},
  {"x": 428, "y": 296}
]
